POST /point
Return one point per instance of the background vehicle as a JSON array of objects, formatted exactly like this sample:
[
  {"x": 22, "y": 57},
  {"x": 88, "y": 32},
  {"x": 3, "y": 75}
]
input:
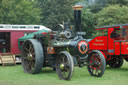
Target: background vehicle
[
  {"x": 113, "y": 43},
  {"x": 61, "y": 49},
  {"x": 9, "y": 35}
]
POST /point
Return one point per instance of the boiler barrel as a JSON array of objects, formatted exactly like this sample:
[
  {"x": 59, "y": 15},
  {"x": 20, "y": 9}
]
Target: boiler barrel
[{"x": 77, "y": 47}]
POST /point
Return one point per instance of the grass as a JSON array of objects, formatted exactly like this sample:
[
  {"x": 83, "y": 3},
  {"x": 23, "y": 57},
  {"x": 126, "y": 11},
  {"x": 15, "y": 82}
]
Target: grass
[{"x": 14, "y": 75}]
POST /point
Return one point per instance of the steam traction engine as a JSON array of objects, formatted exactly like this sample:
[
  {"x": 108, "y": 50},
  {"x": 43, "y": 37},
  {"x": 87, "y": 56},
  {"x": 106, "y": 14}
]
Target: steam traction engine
[{"x": 61, "y": 49}]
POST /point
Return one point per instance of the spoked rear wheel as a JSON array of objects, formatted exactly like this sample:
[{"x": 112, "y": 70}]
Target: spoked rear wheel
[
  {"x": 96, "y": 63},
  {"x": 32, "y": 56},
  {"x": 64, "y": 65}
]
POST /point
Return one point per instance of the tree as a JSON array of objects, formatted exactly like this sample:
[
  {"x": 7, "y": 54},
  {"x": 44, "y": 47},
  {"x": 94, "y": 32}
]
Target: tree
[
  {"x": 113, "y": 14},
  {"x": 19, "y": 12},
  {"x": 88, "y": 22},
  {"x": 121, "y": 2},
  {"x": 96, "y": 5},
  {"x": 54, "y": 12}
]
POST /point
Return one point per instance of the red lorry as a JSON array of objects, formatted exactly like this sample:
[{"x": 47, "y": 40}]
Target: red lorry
[{"x": 113, "y": 43}]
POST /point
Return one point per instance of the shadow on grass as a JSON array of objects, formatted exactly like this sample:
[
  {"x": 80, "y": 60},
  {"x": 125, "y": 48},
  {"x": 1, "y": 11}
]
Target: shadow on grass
[{"x": 47, "y": 71}]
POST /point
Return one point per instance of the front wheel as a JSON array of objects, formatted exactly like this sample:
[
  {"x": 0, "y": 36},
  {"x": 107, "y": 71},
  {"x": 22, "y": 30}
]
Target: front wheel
[
  {"x": 64, "y": 65},
  {"x": 96, "y": 63}
]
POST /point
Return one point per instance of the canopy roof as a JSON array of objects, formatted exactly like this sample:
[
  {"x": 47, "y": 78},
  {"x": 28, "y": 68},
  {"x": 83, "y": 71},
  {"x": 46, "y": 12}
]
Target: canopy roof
[
  {"x": 30, "y": 36},
  {"x": 112, "y": 26}
]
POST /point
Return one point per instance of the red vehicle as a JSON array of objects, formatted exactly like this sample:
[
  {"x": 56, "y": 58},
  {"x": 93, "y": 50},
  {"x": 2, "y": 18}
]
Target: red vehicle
[
  {"x": 113, "y": 43},
  {"x": 9, "y": 35}
]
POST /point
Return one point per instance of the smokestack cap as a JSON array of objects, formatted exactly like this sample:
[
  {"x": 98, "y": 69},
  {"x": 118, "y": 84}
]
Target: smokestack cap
[{"x": 77, "y": 7}]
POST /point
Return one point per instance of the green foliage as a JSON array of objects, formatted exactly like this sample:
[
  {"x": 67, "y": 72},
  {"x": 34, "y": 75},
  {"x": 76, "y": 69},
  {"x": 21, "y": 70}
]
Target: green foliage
[
  {"x": 88, "y": 22},
  {"x": 100, "y": 33},
  {"x": 113, "y": 14},
  {"x": 19, "y": 12},
  {"x": 96, "y": 5},
  {"x": 121, "y": 2},
  {"x": 54, "y": 12}
]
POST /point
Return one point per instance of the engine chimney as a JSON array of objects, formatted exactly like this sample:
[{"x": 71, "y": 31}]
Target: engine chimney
[{"x": 77, "y": 17}]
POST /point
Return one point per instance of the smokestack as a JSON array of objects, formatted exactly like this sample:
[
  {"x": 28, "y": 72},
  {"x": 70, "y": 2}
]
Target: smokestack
[{"x": 77, "y": 17}]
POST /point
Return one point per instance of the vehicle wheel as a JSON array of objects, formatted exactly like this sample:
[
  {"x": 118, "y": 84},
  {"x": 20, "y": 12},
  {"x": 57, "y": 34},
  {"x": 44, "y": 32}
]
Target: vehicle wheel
[
  {"x": 64, "y": 65},
  {"x": 32, "y": 56},
  {"x": 116, "y": 62},
  {"x": 96, "y": 63}
]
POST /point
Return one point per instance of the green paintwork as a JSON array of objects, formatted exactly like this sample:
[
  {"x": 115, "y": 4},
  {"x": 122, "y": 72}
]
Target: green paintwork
[{"x": 30, "y": 36}]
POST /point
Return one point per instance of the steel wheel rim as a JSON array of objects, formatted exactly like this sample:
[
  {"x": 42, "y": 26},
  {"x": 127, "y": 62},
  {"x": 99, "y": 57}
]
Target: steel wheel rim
[
  {"x": 95, "y": 64},
  {"x": 28, "y": 57},
  {"x": 65, "y": 70}
]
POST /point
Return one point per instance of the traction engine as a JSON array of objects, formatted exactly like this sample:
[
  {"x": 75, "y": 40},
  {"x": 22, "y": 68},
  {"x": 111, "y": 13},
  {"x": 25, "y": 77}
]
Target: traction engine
[{"x": 62, "y": 49}]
